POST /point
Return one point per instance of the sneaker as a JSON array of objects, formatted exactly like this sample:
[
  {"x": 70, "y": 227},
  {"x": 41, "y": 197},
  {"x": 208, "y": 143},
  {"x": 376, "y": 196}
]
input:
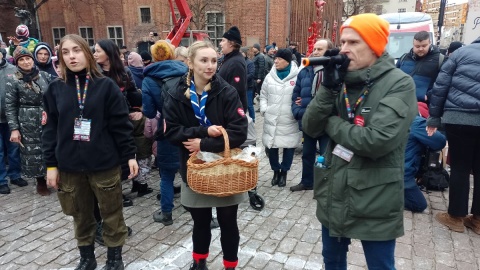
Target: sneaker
[
  {"x": 19, "y": 182},
  {"x": 472, "y": 222},
  {"x": 300, "y": 187},
  {"x": 4, "y": 189},
  {"x": 164, "y": 218},
  {"x": 453, "y": 223}
]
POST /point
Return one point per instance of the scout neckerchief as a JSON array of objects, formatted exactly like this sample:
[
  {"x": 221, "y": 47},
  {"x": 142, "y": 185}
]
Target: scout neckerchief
[
  {"x": 350, "y": 111},
  {"x": 199, "y": 107}
]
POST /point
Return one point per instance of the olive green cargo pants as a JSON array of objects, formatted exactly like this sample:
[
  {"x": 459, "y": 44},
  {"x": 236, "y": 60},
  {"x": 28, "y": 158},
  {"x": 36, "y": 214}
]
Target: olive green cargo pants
[{"x": 76, "y": 195}]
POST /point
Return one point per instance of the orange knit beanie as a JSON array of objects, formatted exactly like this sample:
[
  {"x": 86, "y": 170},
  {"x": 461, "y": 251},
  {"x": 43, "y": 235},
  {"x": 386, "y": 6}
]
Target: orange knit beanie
[
  {"x": 373, "y": 29},
  {"x": 162, "y": 50}
]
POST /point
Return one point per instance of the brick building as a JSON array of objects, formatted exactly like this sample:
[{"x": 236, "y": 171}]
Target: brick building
[{"x": 129, "y": 21}]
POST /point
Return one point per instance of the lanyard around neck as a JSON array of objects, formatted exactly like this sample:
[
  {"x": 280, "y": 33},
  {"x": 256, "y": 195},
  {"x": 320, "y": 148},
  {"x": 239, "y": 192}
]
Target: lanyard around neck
[
  {"x": 350, "y": 111},
  {"x": 81, "y": 100}
]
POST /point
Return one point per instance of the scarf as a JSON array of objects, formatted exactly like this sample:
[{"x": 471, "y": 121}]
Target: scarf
[
  {"x": 317, "y": 79},
  {"x": 28, "y": 76},
  {"x": 199, "y": 107},
  {"x": 282, "y": 74}
]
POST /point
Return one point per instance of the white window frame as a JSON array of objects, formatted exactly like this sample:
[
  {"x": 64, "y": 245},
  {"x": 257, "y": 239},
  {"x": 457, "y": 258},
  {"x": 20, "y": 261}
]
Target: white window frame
[
  {"x": 220, "y": 26},
  {"x": 90, "y": 40},
  {"x": 115, "y": 38},
  {"x": 140, "y": 14},
  {"x": 56, "y": 39}
]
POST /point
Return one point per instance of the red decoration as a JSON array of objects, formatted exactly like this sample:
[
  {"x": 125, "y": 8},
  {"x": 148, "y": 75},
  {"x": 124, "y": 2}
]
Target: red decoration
[{"x": 314, "y": 29}]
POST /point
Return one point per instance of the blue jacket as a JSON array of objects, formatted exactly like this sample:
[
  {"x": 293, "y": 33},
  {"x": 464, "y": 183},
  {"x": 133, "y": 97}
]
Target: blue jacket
[
  {"x": 152, "y": 101},
  {"x": 137, "y": 73},
  {"x": 423, "y": 70},
  {"x": 456, "y": 94},
  {"x": 250, "y": 73},
  {"x": 417, "y": 142},
  {"x": 302, "y": 89}
]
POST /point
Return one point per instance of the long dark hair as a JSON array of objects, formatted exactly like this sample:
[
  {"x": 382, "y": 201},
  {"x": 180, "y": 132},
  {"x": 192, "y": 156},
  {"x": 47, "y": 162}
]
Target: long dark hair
[{"x": 117, "y": 70}]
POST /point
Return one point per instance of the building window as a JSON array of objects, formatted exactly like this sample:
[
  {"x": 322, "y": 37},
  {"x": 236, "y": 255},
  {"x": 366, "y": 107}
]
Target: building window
[
  {"x": 58, "y": 33},
  {"x": 145, "y": 15},
  {"x": 87, "y": 34},
  {"x": 215, "y": 26},
  {"x": 400, "y": 10},
  {"x": 115, "y": 33}
]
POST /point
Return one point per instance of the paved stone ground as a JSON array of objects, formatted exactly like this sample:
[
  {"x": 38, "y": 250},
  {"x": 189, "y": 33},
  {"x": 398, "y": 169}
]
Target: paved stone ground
[{"x": 35, "y": 234}]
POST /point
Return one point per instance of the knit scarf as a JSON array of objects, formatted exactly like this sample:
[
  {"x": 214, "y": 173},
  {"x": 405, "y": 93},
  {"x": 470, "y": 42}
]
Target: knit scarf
[
  {"x": 282, "y": 74},
  {"x": 28, "y": 76},
  {"x": 199, "y": 107}
]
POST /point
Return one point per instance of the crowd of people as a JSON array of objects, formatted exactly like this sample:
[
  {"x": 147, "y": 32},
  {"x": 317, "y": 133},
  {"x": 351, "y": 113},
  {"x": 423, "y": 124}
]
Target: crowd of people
[{"x": 371, "y": 118}]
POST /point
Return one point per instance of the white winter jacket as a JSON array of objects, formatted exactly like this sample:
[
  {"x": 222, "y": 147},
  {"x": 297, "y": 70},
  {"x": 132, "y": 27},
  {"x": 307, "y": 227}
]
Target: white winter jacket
[{"x": 280, "y": 129}]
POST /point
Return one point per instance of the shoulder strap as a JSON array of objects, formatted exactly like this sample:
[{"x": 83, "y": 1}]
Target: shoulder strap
[
  {"x": 401, "y": 59},
  {"x": 441, "y": 57}
]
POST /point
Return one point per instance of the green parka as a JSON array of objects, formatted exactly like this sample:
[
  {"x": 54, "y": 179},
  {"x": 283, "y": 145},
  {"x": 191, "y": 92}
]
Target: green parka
[{"x": 363, "y": 198}]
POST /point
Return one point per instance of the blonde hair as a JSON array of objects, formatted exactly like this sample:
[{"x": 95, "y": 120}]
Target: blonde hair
[
  {"x": 181, "y": 51},
  {"x": 192, "y": 53},
  {"x": 91, "y": 67}
]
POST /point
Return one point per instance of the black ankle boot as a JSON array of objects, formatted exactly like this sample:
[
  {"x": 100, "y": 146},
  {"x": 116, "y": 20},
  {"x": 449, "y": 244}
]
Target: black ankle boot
[
  {"x": 87, "y": 258},
  {"x": 201, "y": 265},
  {"x": 127, "y": 202},
  {"x": 275, "y": 178},
  {"x": 114, "y": 259},
  {"x": 141, "y": 188},
  {"x": 282, "y": 179}
]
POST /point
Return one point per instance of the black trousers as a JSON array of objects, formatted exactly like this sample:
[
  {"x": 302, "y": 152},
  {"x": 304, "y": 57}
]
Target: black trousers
[
  {"x": 229, "y": 234},
  {"x": 464, "y": 149}
]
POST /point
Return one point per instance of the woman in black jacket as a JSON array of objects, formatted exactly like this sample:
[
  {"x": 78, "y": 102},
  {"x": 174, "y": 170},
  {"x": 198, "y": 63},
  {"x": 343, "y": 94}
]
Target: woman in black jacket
[
  {"x": 86, "y": 137},
  {"x": 194, "y": 130}
]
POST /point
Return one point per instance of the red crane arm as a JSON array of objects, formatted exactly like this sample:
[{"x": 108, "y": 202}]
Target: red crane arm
[{"x": 180, "y": 25}]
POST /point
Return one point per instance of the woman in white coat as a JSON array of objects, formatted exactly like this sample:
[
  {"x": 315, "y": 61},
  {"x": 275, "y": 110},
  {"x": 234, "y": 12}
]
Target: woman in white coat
[{"x": 280, "y": 129}]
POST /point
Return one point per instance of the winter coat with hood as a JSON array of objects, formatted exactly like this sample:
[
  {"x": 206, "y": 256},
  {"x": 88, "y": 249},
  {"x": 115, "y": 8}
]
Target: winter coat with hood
[
  {"x": 47, "y": 67},
  {"x": 223, "y": 108},
  {"x": 423, "y": 70},
  {"x": 456, "y": 94},
  {"x": 137, "y": 74},
  {"x": 153, "y": 101},
  {"x": 6, "y": 71},
  {"x": 280, "y": 129},
  {"x": 363, "y": 199},
  {"x": 24, "y": 107}
]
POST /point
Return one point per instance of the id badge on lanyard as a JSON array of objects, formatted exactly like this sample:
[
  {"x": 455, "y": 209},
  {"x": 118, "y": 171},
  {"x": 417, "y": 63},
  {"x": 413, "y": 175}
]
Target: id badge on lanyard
[
  {"x": 82, "y": 129},
  {"x": 81, "y": 126}
]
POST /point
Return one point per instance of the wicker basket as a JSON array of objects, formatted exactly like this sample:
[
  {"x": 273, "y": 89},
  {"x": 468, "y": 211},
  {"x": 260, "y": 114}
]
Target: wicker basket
[{"x": 223, "y": 177}]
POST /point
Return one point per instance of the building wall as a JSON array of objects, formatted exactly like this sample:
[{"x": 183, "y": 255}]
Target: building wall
[
  {"x": 285, "y": 22},
  {"x": 394, "y": 6}
]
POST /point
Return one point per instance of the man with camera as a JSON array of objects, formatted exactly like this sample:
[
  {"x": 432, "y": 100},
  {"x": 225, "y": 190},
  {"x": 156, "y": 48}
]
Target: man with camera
[{"x": 365, "y": 105}]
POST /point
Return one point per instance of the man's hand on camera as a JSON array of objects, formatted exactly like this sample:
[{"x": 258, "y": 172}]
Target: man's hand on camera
[{"x": 334, "y": 73}]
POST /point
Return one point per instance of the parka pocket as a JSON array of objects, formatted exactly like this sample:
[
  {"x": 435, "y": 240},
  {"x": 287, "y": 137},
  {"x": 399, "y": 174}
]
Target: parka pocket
[
  {"x": 66, "y": 197},
  {"x": 109, "y": 191},
  {"x": 320, "y": 185},
  {"x": 375, "y": 192}
]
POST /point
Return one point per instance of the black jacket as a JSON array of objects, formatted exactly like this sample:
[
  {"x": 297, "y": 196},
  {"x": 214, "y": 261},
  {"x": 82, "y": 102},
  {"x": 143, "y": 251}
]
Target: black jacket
[
  {"x": 234, "y": 72},
  {"x": 111, "y": 131},
  {"x": 223, "y": 108}
]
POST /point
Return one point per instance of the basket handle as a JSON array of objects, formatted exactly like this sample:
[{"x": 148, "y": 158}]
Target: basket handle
[{"x": 226, "y": 153}]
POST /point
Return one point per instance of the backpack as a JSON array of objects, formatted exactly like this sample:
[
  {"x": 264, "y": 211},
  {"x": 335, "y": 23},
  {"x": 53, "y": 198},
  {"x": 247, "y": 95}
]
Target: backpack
[
  {"x": 165, "y": 85},
  {"x": 432, "y": 175}
]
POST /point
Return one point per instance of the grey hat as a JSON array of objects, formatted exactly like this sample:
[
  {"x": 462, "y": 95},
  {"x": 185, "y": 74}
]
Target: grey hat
[
  {"x": 244, "y": 50},
  {"x": 256, "y": 46}
]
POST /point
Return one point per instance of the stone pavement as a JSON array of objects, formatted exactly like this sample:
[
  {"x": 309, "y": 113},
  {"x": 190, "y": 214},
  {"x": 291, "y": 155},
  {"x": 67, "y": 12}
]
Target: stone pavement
[{"x": 35, "y": 234}]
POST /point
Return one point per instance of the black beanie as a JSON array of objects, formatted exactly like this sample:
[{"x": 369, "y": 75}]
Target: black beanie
[
  {"x": 285, "y": 54},
  {"x": 145, "y": 56},
  {"x": 233, "y": 34}
]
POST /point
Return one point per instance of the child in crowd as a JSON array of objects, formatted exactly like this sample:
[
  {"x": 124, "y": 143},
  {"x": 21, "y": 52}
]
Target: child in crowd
[{"x": 144, "y": 144}]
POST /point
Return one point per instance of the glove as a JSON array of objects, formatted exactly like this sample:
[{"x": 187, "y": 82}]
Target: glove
[{"x": 334, "y": 73}]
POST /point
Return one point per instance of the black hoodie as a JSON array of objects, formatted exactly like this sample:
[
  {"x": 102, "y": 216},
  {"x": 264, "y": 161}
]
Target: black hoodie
[{"x": 47, "y": 67}]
